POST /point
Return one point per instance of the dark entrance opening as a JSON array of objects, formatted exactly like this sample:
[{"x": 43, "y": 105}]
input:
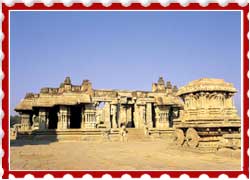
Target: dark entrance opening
[
  {"x": 75, "y": 116},
  {"x": 34, "y": 115},
  {"x": 111, "y": 121},
  {"x": 153, "y": 118},
  {"x": 53, "y": 118},
  {"x": 131, "y": 123},
  {"x": 171, "y": 117}
]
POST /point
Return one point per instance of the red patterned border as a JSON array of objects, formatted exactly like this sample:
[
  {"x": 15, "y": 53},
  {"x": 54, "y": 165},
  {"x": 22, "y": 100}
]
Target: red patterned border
[{"x": 118, "y": 6}]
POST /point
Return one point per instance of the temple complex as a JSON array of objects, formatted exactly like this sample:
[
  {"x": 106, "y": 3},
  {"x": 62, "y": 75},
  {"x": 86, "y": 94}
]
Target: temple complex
[
  {"x": 81, "y": 106},
  {"x": 199, "y": 115}
]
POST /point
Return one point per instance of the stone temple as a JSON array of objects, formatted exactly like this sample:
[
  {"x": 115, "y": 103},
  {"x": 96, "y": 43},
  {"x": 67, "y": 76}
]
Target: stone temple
[
  {"x": 71, "y": 106},
  {"x": 200, "y": 115}
]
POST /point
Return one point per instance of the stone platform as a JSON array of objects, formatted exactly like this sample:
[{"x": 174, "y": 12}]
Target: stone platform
[
  {"x": 69, "y": 134},
  {"x": 95, "y": 134}
]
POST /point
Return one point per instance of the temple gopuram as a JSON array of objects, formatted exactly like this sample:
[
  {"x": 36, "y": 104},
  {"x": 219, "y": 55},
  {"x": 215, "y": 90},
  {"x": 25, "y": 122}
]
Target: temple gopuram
[{"x": 200, "y": 115}]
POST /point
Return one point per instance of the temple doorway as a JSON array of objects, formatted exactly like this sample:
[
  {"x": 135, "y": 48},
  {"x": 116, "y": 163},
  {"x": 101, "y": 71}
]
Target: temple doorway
[
  {"x": 153, "y": 118},
  {"x": 53, "y": 118},
  {"x": 170, "y": 117},
  {"x": 75, "y": 116},
  {"x": 130, "y": 116}
]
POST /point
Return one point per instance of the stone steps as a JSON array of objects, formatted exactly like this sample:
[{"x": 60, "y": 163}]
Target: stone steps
[
  {"x": 162, "y": 133},
  {"x": 137, "y": 134}
]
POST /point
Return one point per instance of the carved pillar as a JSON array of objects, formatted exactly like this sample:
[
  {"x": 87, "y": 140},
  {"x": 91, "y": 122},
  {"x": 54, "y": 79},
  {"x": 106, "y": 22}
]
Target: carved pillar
[
  {"x": 89, "y": 116},
  {"x": 167, "y": 118},
  {"x": 192, "y": 101},
  {"x": 68, "y": 117},
  {"x": 43, "y": 118},
  {"x": 59, "y": 122},
  {"x": 201, "y": 104},
  {"x": 137, "y": 115},
  {"x": 118, "y": 115},
  {"x": 187, "y": 102},
  {"x": 107, "y": 120},
  {"x": 229, "y": 108},
  {"x": 83, "y": 118},
  {"x": 140, "y": 116},
  {"x": 206, "y": 100},
  {"x": 221, "y": 100},
  {"x": 114, "y": 115},
  {"x": 149, "y": 115},
  {"x": 25, "y": 121},
  {"x": 202, "y": 98},
  {"x": 63, "y": 118},
  {"x": 122, "y": 115},
  {"x": 162, "y": 116},
  {"x": 129, "y": 116},
  {"x": 143, "y": 115},
  {"x": 157, "y": 117},
  {"x": 229, "y": 101}
]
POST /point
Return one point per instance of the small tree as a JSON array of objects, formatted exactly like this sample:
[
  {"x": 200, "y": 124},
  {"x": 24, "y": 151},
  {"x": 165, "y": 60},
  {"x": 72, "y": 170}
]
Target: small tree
[{"x": 14, "y": 120}]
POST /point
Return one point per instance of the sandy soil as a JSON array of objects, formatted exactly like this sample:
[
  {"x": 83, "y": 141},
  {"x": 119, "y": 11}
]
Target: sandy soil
[{"x": 156, "y": 155}]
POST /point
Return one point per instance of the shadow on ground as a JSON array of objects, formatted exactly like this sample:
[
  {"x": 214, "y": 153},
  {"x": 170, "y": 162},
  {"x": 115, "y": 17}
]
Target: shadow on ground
[{"x": 34, "y": 138}]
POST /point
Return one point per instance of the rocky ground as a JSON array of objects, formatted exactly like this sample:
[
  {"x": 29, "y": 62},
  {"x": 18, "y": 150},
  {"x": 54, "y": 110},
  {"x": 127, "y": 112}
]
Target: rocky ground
[{"x": 155, "y": 155}]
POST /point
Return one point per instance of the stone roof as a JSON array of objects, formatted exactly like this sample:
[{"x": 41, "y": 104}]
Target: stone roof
[
  {"x": 63, "y": 99},
  {"x": 50, "y": 100},
  {"x": 207, "y": 84},
  {"x": 25, "y": 104},
  {"x": 68, "y": 94}
]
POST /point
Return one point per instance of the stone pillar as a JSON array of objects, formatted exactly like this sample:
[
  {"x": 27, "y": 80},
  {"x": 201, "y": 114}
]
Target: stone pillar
[
  {"x": 202, "y": 104},
  {"x": 162, "y": 117},
  {"x": 122, "y": 115},
  {"x": 206, "y": 100},
  {"x": 25, "y": 121},
  {"x": 129, "y": 116},
  {"x": 83, "y": 118},
  {"x": 68, "y": 117},
  {"x": 89, "y": 116},
  {"x": 140, "y": 116},
  {"x": 63, "y": 118},
  {"x": 149, "y": 115},
  {"x": 43, "y": 118},
  {"x": 107, "y": 120},
  {"x": 143, "y": 116},
  {"x": 114, "y": 115},
  {"x": 229, "y": 101},
  {"x": 229, "y": 108},
  {"x": 118, "y": 113},
  {"x": 157, "y": 117},
  {"x": 59, "y": 122},
  {"x": 137, "y": 116},
  {"x": 165, "y": 119},
  {"x": 202, "y": 99}
]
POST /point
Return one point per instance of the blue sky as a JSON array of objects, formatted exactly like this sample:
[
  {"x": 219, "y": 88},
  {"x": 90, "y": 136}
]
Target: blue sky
[{"x": 122, "y": 50}]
